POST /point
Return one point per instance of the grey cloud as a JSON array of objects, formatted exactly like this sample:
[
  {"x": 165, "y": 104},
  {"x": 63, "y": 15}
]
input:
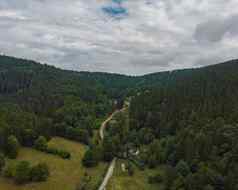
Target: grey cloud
[
  {"x": 155, "y": 36},
  {"x": 215, "y": 30},
  {"x": 211, "y": 31}
]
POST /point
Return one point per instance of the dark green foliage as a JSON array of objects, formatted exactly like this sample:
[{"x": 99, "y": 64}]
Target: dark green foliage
[
  {"x": 40, "y": 172},
  {"x": 2, "y": 161},
  {"x": 12, "y": 147},
  {"x": 186, "y": 120},
  {"x": 157, "y": 178},
  {"x": 92, "y": 156},
  {"x": 194, "y": 116},
  {"x": 90, "y": 159},
  {"x": 41, "y": 143},
  {"x": 208, "y": 187},
  {"x": 85, "y": 183},
  {"x": 108, "y": 149},
  {"x": 178, "y": 183},
  {"x": 183, "y": 168},
  {"x": 170, "y": 176},
  {"x": 9, "y": 171},
  {"x": 130, "y": 169},
  {"x": 39, "y": 100},
  {"x": 116, "y": 141},
  {"x": 22, "y": 174},
  {"x": 62, "y": 153}
]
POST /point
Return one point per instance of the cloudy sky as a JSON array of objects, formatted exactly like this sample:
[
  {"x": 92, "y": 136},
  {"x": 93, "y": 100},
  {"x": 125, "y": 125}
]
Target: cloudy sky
[{"x": 122, "y": 36}]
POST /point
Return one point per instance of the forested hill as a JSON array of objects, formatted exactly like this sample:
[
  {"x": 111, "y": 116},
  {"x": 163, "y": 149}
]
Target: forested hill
[
  {"x": 42, "y": 89},
  {"x": 25, "y": 74},
  {"x": 190, "y": 124},
  {"x": 183, "y": 120},
  {"x": 41, "y": 100},
  {"x": 211, "y": 91},
  {"x": 155, "y": 80}
]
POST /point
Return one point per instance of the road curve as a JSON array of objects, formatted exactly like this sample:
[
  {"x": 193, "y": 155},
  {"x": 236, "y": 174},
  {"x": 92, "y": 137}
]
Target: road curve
[
  {"x": 113, "y": 162},
  {"x": 104, "y": 124}
]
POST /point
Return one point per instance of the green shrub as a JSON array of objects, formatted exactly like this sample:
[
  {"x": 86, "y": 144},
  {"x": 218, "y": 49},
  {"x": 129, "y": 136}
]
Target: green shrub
[
  {"x": 157, "y": 178},
  {"x": 2, "y": 161},
  {"x": 41, "y": 143},
  {"x": 22, "y": 174},
  {"x": 62, "y": 153},
  {"x": 9, "y": 171},
  {"x": 89, "y": 159},
  {"x": 40, "y": 172},
  {"x": 12, "y": 147},
  {"x": 182, "y": 168}
]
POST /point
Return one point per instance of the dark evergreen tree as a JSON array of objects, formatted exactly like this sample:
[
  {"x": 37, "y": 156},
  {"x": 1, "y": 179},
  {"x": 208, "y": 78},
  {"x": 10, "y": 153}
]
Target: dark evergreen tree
[{"x": 12, "y": 147}]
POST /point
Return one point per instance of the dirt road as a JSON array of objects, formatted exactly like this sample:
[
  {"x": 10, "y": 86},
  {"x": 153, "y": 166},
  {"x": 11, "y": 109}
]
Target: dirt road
[{"x": 113, "y": 162}]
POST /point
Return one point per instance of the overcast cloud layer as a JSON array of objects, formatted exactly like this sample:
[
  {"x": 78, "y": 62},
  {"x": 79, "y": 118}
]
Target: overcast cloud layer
[{"x": 122, "y": 36}]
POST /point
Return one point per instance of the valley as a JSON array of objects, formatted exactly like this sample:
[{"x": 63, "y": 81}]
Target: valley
[{"x": 62, "y": 129}]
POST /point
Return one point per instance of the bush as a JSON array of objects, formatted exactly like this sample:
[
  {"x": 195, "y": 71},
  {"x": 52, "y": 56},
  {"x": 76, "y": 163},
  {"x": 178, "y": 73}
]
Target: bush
[
  {"x": 89, "y": 159},
  {"x": 209, "y": 187},
  {"x": 12, "y": 147},
  {"x": 22, "y": 174},
  {"x": 40, "y": 172},
  {"x": 182, "y": 168},
  {"x": 62, "y": 153},
  {"x": 158, "y": 178},
  {"x": 9, "y": 171},
  {"x": 84, "y": 183},
  {"x": 41, "y": 143},
  {"x": 52, "y": 151},
  {"x": 152, "y": 161},
  {"x": 2, "y": 161}
]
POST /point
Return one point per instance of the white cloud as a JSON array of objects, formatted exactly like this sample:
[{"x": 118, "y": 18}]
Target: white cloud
[{"x": 149, "y": 36}]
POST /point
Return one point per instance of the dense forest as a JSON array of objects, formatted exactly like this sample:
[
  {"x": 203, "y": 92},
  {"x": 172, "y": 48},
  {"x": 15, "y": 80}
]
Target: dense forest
[
  {"x": 38, "y": 102},
  {"x": 184, "y": 120},
  {"x": 190, "y": 124},
  {"x": 42, "y": 100}
]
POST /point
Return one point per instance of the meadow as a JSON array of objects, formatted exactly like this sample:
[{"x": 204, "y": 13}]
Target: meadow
[
  {"x": 64, "y": 174},
  {"x": 139, "y": 181}
]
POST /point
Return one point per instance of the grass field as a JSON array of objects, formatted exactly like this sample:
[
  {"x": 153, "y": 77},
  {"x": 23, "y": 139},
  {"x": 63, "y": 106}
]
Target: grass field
[
  {"x": 64, "y": 174},
  {"x": 122, "y": 181}
]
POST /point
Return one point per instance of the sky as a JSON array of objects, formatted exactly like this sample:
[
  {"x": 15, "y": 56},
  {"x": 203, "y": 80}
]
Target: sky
[{"x": 121, "y": 36}]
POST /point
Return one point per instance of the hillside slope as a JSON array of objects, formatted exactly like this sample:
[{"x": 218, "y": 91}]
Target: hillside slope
[
  {"x": 190, "y": 124},
  {"x": 184, "y": 120}
]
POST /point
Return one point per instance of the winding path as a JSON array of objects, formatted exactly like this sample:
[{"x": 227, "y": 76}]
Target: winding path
[
  {"x": 113, "y": 162},
  {"x": 104, "y": 124},
  {"x": 108, "y": 174}
]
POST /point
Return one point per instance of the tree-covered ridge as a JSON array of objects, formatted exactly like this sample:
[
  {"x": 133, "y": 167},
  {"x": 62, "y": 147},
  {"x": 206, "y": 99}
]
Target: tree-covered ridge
[
  {"x": 190, "y": 124},
  {"x": 209, "y": 92},
  {"x": 185, "y": 120},
  {"x": 40, "y": 100}
]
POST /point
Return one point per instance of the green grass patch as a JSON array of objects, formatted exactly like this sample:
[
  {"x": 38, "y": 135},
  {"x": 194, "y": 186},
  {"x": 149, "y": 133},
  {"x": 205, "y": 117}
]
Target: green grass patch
[
  {"x": 139, "y": 181},
  {"x": 64, "y": 174}
]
